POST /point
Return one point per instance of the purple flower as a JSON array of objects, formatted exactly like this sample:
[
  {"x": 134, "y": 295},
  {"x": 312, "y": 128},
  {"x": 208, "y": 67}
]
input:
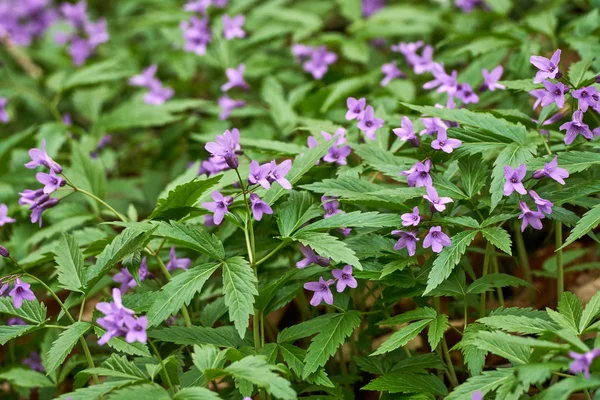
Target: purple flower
[
  {"x": 39, "y": 206},
  {"x": 259, "y": 207},
  {"x": 391, "y": 72},
  {"x": 490, "y": 79},
  {"x": 432, "y": 125},
  {"x": 442, "y": 81},
  {"x": 40, "y": 157},
  {"x": 548, "y": 69},
  {"x": 196, "y": 34},
  {"x": 145, "y": 78},
  {"x": 406, "y": 132},
  {"x": 513, "y": 179},
  {"x": 443, "y": 143},
  {"x": 4, "y": 289},
  {"x": 3, "y": 253},
  {"x": 439, "y": 203},
  {"x": 552, "y": 170},
  {"x": 198, "y": 6},
  {"x": 219, "y": 206},
  {"x": 232, "y": 27},
  {"x": 115, "y": 316},
  {"x": 29, "y": 196},
  {"x": 340, "y": 133},
  {"x": 158, "y": 94},
  {"x": 50, "y": 181},
  {"x": 544, "y": 206},
  {"x": 212, "y": 166},
  {"x": 418, "y": 174},
  {"x": 478, "y": 395},
  {"x": 436, "y": 239},
  {"x": 80, "y": 50},
  {"x": 301, "y": 51},
  {"x": 539, "y": 95},
  {"x": 370, "y": 7},
  {"x": 322, "y": 291},
  {"x": 555, "y": 93},
  {"x": 34, "y": 361},
  {"x": 529, "y": 217},
  {"x": 467, "y": 5},
  {"x": 278, "y": 173},
  {"x": 319, "y": 62},
  {"x": 136, "y": 329},
  {"x": 337, "y": 155},
  {"x": 21, "y": 21},
  {"x": 235, "y": 78},
  {"x": 15, "y": 321},
  {"x": 412, "y": 218},
  {"x": 369, "y": 124},
  {"x": 76, "y": 14},
  {"x": 576, "y": 127},
  {"x": 226, "y": 146},
  {"x": 408, "y": 241},
  {"x": 4, "y": 218},
  {"x": 258, "y": 174},
  {"x": 126, "y": 279},
  {"x": 424, "y": 63},
  {"x": 586, "y": 97},
  {"x": 227, "y": 105},
  {"x": 356, "y": 108},
  {"x": 582, "y": 362},
  {"x": 310, "y": 257},
  {"x": 3, "y": 114},
  {"x": 345, "y": 278},
  {"x": 331, "y": 206},
  {"x": 21, "y": 292},
  {"x": 465, "y": 93}
]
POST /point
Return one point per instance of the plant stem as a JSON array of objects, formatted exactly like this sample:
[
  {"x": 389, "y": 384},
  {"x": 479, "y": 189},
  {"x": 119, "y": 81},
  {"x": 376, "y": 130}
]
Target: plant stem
[
  {"x": 524, "y": 260},
  {"x": 560, "y": 282},
  {"x": 497, "y": 271},
  {"x": 271, "y": 254},
  {"x": 453, "y": 378},
  {"x": 466, "y": 313},
  {"x": 486, "y": 264},
  {"x": 162, "y": 364},
  {"x": 81, "y": 308}
]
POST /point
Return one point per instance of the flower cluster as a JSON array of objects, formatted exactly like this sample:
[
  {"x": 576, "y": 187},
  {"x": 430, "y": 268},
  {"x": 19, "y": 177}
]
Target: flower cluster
[
  {"x": 40, "y": 200},
  {"x": 127, "y": 280},
  {"x": 22, "y": 21},
  {"x": 120, "y": 321},
  {"x": 86, "y": 34},
  {"x": 338, "y": 152},
  {"x": 364, "y": 115},
  {"x": 322, "y": 290},
  {"x": 316, "y": 60},
  {"x": 235, "y": 79},
  {"x": 19, "y": 292},
  {"x": 157, "y": 94}
]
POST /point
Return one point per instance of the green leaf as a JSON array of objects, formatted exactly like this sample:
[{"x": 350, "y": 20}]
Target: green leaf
[
  {"x": 402, "y": 337},
  {"x": 10, "y": 332},
  {"x": 589, "y": 221},
  {"x": 572, "y": 161},
  {"x": 401, "y": 382},
  {"x": 571, "y": 308},
  {"x": 448, "y": 259},
  {"x": 179, "y": 291},
  {"x": 491, "y": 281},
  {"x": 257, "y": 371},
  {"x": 103, "y": 71},
  {"x": 134, "y": 114},
  {"x": 195, "y": 393},
  {"x": 87, "y": 173},
  {"x": 498, "y": 237},
  {"x": 473, "y": 175},
  {"x": 26, "y": 378},
  {"x": 304, "y": 328},
  {"x": 223, "y": 336},
  {"x": 181, "y": 200},
  {"x": 293, "y": 357},
  {"x": 69, "y": 264},
  {"x": 208, "y": 357},
  {"x": 328, "y": 246},
  {"x": 297, "y": 211},
  {"x": 566, "y": 387},
  {"x": 514, "y": 154},
  {"x": 591, "y": 311},
  {"x": 192, "y": 237},
  {"x": 333, "y": 334},
  {"x": 344, "y": 88},
  {"x": 125, "y": 243},
  {"x": 485, "y": 383},
  {"x": 412, "y": 315},
  {"x": 263, "y": 145},
  {"x": 354, "y": 219},
  {"x": 95, "y": 391},
  {"x": 577, "y": 71},
  {"x": 32, "y": 311},
  {"x": 239, "y": 288},
  {"x": 281, "y": 111},
  {"x": 522, "y": 85},
  {"x": 119, "y": 344},
  {"x": 62, "y": 346},
  {"x": 465, "y": 221},
  {"x": 143, "y": 391},
  {"x": 514, "y": 348},
  {"x": 519, "y": 324},
  {"x": 436, "y": 330},
  {"x": 473, "y": 356},
  {"x": 122, "y": 365}
]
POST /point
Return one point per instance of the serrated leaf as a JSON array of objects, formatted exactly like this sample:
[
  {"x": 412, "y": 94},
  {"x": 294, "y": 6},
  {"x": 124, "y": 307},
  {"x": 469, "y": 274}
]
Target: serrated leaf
[
  {"x": 437, "y": 327},
  {"x": 344, "y": 88},
  {"x": 498, "y": 237},
  {"x": 298, "y": 210},
  {"x": 179, "y": 291},
  {"x": 412, "y": 315},
  {"x": 8, "y": 332},
  {"x": 571, "y": 308},
  {"x": 577, "y": 71},
  {"x": 591, "y": 311},
  {"x": 64, "y": 344},
  {"x": 282, "y": 113},
  {"x": 491, "y": 281},
  {"x": 513, "y": 155},
  {"x": 514, "y": 348},
  {"x": 402, "y": 337},
  {"x": 142, "y": 391},
  {"x": 458, "y": 221},
  {"x": 95, "y": 391},
  {"x": 328, "y": 246},
  {"x": 304, "y": 328},
  {"x": 486, "y": 382},
  {"x": 354, "y": 219},
  {"x": 103, "y": 71},
  {"x": 565, "y": 388},
  {"x": 181, "y": 200},
  {"x": 330, "y": 338},
  {"x": 119, "y": 344},
  {"x": 192, "y": 237},
  {"x": 473, "y": 175},
  {"x": 121, "y": 364},
  {"x": 589, "y": 221},
  {"x": 256, "y": 370},
  {"x": 401, "y": 382},
  {"x": 519, "y": 324},
  {"x": 26, "y": 378},
  {"x": 134, "y": 114},
  {"x": 70, "y": 265},
  {"x": 87, "y": 173},
  {"x": 239, "y": 288},
  {"x": 195, "y": 393},
  {"x": 293, "y": 357},
  {"x": 223, "y": 336},
  {"x": 32, "y": 311},
  {"x": 448, "y": 259}
]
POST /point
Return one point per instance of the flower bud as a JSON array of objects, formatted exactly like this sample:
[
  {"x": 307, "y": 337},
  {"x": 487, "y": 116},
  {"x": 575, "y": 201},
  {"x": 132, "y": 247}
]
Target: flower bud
[
  {"x": 597, "y": 78},
  {"x": 4, "y": 251},
  {"x": 559, "y": 75}
]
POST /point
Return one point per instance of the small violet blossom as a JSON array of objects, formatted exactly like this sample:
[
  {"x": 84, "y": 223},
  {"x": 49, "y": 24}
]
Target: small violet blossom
[
  {"x": 529, "y": 217},
  {"x": 158, "y": 94},
  {"x": 555, "y": 93},
  {"x": 432, "y": 126},
  {"x": 436, "y": 239},
  {"x": 369, "y": 123},
  {"x": 583, "y": 362},
  {"x": 418, "y": 174},
  {"x": 4, "y": 218},
  {"x": 278, "y": 173},
  {"x": 21, "y": 292},
  {"x": 539, "y": 95},
  {"x": 226, "y": 146},
  {"x": 174, "y": 262},
  {"x": 196, "y": 34},
  {"x": 39, "y": 206},
  {"x": 337, "y": 155},
  {"x": 50, "y": 181},
  {"x": 3, "y": 114},
  {"x": 478, "y": 395},
  {"x": 136, "y": 329},
  {"x": 126, "y": 279},
  {"x": 40, "y": 157},
  {"x": 115, "y": 316},
  {"x": 227, "y": 105},
  {"x": 310, "y": 257},
  {"x": 319, "y": 62},
  {"x": 514, "y": 179},
  {"x": 15, "y": 321},
  {"x": 408, "y": 241},
  {"x": 232, "y": 27},
  {"x": 552, "y": 170},
  {"x": 548, "y": 69},
  {"x": 443, "y": 143},
  {"x": 34, "y": 361},
  {"x": 219, "y": 206},
  {"x": 437, "y": 202},
  {"x": 490, "y": 79},
  {"x": 235, "y": 78},
  {"x": 586, "y": 97},
  {"x": 322, "y": 291},
  {"x": 576, "y": 127},
  {"x": 258, "y": 174},
  {"x": 409, "y": 51},
  {"x": 344, "y": 278},
  {"x": 406, "y": 132},
  {"x": 356, "y": 108},
  {"x": 259, "y": 207},
  {"x": 390, "y": 72},
  {"x": 424, "y": 63},
  {"x": 411, "y": 219},
  {"x": 465, "y": 93},
  {"x": 544, "y": 206}
]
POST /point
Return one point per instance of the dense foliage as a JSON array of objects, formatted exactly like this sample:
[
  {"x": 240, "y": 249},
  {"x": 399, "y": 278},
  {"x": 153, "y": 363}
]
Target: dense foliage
[{"x": 329, "y": 199}]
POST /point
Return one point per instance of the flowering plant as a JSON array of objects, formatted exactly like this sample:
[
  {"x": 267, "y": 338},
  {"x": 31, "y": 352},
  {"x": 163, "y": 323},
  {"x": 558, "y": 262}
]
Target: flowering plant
[{"x": 303, "y": 199}]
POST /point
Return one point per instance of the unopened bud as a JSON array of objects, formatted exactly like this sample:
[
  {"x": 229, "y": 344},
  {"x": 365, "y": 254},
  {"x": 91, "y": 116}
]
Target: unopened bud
[
  {"x": 597, "y": 78},
  {"x": 558, "y": 75},
  {"x": 4, "y": 251}
]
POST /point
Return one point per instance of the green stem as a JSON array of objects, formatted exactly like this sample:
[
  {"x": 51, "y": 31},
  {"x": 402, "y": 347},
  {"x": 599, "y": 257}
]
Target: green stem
[
  {"x": 486, "y": 265},
  {"x": 81, "y": 309},
  {"x": 497, "y": 271},
  {"x": 88, "y": 357},
  {"x": 466, "y": 312},
  {"x": 55, "y": 326},
  {"x": 560, "y": 280},
  {"x": 523, "y": 259},
  {"x": 451, "y": 374},
  {"x": 271, "y": 254},
  {"x": 162, "y": 364}
]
